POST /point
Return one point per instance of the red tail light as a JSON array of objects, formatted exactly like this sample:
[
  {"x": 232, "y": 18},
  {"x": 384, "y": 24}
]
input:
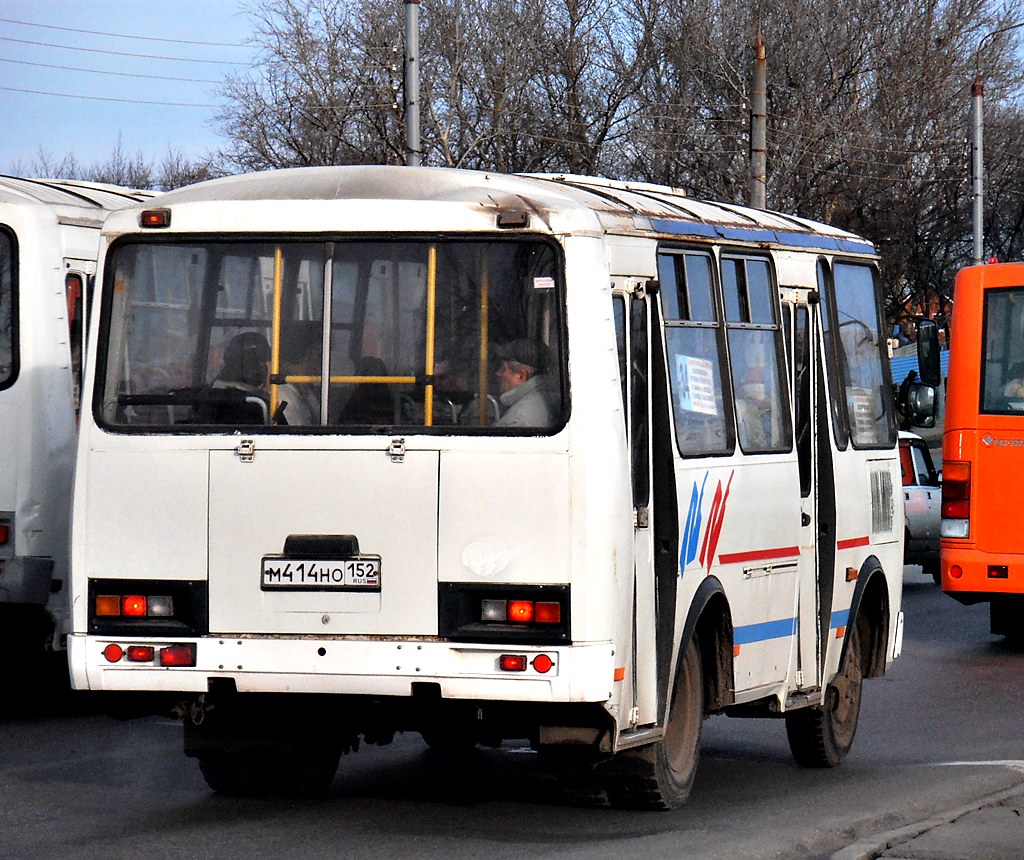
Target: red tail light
[
  {"x": 5, "y": 533},
  {"x": 133, "y": 605},
  {"x": 956, "y": 490},
  {"x": 178, "y": 655},
  {"x": 512, "y": 662}
]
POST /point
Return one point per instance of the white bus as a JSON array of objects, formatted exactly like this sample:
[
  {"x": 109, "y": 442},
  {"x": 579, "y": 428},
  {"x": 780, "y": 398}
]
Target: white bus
[
  {"x": 49, "y": 235},
  {"x": 383, "y": 449}
]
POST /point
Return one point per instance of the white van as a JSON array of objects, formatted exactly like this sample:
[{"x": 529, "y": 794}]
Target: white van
[{"x": 377, "y": 449}]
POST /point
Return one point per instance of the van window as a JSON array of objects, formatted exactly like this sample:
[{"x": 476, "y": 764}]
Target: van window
[
  {"x": 854, "y": 343},
  {"x": 762, "y": 411},
  {"x": 8, "y": 316},
  {"x": 354, "y": 336},
  {"x": 693, "y": 337}
]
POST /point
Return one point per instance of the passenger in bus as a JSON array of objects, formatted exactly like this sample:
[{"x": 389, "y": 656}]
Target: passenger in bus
[
  {"x": 245, "y": 370},
  {"x": 301, "y": 348},
  {"x": 523, "y": 386},
  {"x": 1014, "y": 389}
]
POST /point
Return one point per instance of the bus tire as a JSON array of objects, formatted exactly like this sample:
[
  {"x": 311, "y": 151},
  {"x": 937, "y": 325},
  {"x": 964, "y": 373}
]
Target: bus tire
[
  {"x": 672, "y": 761},
  {"x": 269, "y": 773},
  {"x": 822, "y": 735}
]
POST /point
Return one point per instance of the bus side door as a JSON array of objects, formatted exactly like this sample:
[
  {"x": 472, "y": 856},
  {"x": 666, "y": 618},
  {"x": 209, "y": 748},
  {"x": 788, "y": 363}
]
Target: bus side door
[{"x": 817, "y": 495}]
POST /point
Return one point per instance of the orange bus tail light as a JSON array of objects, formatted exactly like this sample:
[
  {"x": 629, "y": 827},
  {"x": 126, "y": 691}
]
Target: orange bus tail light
[{"x": 956, "y": 499}]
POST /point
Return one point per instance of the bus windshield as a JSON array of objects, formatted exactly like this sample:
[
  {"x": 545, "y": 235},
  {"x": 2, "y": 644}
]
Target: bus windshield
[
  {"x": 356, "y": 336},
  {"x": 1002, "y": 384}
]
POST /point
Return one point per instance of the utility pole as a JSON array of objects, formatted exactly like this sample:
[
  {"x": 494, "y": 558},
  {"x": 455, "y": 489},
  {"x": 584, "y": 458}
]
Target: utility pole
[
  {"x": 977, "y": 169},
  {"x": 412, "y": 83},
  {"x": 759, "y": 127},
  {"x": 977, "y": 159}
]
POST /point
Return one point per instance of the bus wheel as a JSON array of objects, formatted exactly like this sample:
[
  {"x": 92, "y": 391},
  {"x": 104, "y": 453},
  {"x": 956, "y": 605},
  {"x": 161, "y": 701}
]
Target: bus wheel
[
  {"x": 822, "y": 736},
  {"x": 261, "y": 772},
  {"x": 671, "y": 763}
]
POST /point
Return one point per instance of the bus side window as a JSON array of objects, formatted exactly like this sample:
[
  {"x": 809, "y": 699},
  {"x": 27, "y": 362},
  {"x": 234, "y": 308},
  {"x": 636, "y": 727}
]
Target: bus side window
[
  {"x": 1002, "y": 383},
  {"x": 619, "y": 313},
  {"x": 693, "y": 336},
  {"x": 8, "y": 307},
  {"x": 762, "y": 412},
  {"x": 854, "y": 335}
]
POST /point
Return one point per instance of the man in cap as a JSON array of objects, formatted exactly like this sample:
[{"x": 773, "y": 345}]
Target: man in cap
[{"x": 521, "y": 384}]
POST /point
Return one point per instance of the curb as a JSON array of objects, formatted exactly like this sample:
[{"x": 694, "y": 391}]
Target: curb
[{"x": 871, "y": 847}]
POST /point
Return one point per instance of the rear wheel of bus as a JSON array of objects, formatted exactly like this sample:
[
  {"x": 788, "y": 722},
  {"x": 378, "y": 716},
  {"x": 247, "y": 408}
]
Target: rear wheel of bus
[
  {"x": 670, "y": 765},
  {"x": 821, "y": 736}
]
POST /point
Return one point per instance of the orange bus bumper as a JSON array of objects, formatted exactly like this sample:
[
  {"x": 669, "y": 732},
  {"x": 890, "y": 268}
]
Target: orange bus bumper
[{"x": 973, "y": 576}]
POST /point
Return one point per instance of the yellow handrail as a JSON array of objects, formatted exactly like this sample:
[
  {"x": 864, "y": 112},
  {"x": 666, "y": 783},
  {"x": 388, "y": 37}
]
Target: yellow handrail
[
  {"x": 428, "y": 394},
  {"x": 484, "y": 299},
  {"x": 275, "y": 341}
]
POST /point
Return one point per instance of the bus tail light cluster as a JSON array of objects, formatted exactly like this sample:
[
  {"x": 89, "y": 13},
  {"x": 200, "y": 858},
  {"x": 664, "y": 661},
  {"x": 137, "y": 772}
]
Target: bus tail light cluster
[
  {"x": 956, "y": 499},
  {"x": 182, "y": 654},
  {"x": 533, "y": 614},
  {"x": 134, "y": 606},
  {"x": 5, "y": 533},
  {"x": 140, "y": 607},
  {"x": 521, "y": 611}
]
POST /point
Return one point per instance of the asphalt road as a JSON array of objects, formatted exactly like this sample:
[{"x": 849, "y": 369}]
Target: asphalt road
[{"x": 940, "y": 730}]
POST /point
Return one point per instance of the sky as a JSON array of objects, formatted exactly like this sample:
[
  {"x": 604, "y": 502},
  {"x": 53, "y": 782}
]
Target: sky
[{"x": 67, "y": 89}]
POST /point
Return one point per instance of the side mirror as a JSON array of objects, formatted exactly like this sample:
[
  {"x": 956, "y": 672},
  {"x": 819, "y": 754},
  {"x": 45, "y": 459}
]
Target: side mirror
[
  {"x": 928, "y": 354},
  {"x": 921, "y": 404}
]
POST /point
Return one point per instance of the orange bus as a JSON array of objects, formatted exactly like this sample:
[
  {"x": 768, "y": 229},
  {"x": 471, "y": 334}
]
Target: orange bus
[{"x": 982, "y": 544}]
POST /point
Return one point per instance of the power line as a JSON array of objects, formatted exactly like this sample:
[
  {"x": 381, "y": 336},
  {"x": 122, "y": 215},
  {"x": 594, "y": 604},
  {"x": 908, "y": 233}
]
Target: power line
[
  {"x": 125, "y": 35},
  {"x": 106, "y": 98},
  {"x": 102, "y": 72},
  {"x": 122, "y": 53}
]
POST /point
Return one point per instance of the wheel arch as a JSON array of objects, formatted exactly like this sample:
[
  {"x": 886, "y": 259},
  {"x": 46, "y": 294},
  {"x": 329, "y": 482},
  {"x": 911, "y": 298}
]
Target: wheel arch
[
  {"x": 710, "y": 619},
  {"x": 870, "y": 609}
]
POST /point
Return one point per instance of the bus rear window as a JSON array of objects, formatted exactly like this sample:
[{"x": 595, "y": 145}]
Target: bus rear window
[
  {"x": 1002, "y": 367},
  {"x": 351, "y": 336}
]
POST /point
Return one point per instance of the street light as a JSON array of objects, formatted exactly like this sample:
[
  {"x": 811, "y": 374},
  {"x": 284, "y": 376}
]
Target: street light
[{"x": 977, "y": 159}]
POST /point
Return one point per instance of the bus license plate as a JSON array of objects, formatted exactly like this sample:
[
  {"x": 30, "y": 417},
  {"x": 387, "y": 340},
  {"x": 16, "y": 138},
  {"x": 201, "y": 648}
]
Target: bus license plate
[{"x": 350, "y": 574}]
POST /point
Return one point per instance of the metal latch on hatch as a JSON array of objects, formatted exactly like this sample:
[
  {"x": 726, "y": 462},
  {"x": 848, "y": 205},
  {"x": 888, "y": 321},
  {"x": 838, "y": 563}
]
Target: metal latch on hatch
[
  {"x": 396, "y": 450},
  {"x": 246, "y": 450}
]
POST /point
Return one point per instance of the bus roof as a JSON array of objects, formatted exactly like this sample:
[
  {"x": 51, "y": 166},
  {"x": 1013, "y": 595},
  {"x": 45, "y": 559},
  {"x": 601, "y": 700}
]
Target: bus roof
[
  {"x": 562, "y": 201},
  {"x": 94, "y": 196}
]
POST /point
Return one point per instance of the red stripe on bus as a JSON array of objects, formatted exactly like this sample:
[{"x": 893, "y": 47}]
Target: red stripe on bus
[
  {"x": 759, "y": 555},
  {"x": 850, "y": 543}
]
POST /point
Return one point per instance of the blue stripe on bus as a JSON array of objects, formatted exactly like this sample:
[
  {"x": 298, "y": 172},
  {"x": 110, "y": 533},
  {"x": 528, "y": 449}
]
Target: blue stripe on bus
[
  {"x": 684, "y": 228},
  {"x": 853, "y": 247},
  {"x": 840, "y": 619},
  {"x": 762, "y": 234},
  {"x": 765, "y": 630},
  {"x": 744, "y": 234}
]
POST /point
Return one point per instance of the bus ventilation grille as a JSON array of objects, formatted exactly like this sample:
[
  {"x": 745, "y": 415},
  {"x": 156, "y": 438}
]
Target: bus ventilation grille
[{"x": 881, "y": 502}]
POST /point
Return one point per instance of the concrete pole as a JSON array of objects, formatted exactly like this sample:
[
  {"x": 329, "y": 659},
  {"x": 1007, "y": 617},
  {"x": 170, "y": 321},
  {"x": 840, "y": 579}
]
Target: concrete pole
[
  {"x": 759, "y": 127},
  {"x": 977, "y": 169},
  {"x": 412, "y": 82}
]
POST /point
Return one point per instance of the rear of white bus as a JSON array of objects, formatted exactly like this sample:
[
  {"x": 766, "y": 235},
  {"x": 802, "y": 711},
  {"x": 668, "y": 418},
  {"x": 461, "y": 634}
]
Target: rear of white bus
[{"x": 363, "y": 526}]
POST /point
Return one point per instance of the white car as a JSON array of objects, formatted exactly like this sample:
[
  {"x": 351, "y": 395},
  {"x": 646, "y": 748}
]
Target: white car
[{"x": 922, "y": 496}]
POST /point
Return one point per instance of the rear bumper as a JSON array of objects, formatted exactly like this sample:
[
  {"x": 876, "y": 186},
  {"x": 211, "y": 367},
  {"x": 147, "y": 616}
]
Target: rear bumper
[
  {"x": 580, "y": 673},
  {"x": 982, "y": 574}
]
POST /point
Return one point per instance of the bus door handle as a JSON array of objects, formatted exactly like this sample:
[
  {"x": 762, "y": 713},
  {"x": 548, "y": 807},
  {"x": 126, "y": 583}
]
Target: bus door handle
[
  {"x": 805, "y": 518},
  {"x": 641, "y": 517}
]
